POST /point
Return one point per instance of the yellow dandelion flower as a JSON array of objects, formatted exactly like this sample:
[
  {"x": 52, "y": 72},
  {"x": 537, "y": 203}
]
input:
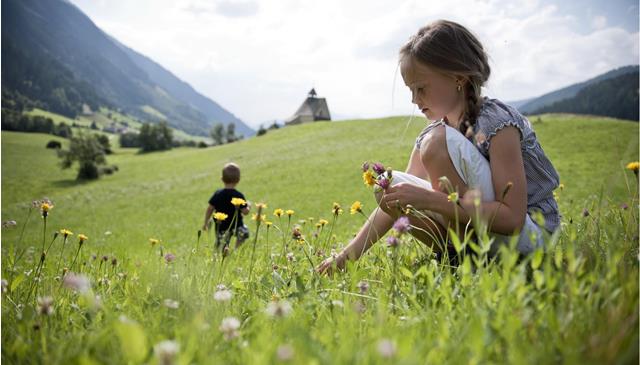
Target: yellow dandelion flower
[
  {"x": 257, "y": 217},
  {"x": 66, "y": 232},
  {"x": 278, "y": 212},
  {"x": 268, "y": 223},
  {"x": 356, "y": 207},
  {"x": 238, "y": 202},
  {"x": 261, "y": 205},
  {"x": 368, "y": 178},
  {"x": 318, "y": 225},
  {"x": 290, "y": 212},
  {"x": 336, "y": 209},
  {"x": 154, "y": 241},
  {"x": 633, "y": 166},
  {"x": 561, "y": 186},
  {"x": 82, "y": 237},
  {"x": 323, "y": 222},
  {"x": 219, "y": 216}
]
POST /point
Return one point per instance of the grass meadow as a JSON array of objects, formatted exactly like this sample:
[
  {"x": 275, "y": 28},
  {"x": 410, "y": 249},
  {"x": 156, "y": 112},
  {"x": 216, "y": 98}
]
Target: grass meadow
[{"x": 127, "y": 298}]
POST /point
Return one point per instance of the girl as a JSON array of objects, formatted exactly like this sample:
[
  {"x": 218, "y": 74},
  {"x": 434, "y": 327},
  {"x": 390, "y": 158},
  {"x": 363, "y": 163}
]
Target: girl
[{"x": 478, "y": 144}]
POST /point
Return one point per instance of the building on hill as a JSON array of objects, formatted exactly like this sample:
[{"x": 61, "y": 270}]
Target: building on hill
[{"x": 311, "y": 110}]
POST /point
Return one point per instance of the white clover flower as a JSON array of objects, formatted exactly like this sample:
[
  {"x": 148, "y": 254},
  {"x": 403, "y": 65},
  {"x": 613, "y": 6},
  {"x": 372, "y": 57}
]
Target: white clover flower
[
  {"x": 172, "y": 304},
  {"x": 279, "y": 308},
  {"x": 166, "y": 352},
  {"x": 386, "y": 348},
  {"x": 229, "y": 328}
]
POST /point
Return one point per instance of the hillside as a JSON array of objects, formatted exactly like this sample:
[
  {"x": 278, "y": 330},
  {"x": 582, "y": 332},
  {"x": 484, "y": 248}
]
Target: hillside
[
  {"x": 57, "y": 59},
  {"x": 305, "y": 168}
]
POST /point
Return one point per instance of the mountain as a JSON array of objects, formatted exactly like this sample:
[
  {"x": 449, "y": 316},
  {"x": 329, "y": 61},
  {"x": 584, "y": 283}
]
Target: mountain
[
  {"x": 571, "y": 91},
  {"x": 615, "y": 97},
  {"x": 56, "y": 57}
]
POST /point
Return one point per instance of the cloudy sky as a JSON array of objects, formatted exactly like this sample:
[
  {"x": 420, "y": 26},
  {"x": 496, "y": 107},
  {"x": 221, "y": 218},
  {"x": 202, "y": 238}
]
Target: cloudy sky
[{"x": 258, "y": 59}]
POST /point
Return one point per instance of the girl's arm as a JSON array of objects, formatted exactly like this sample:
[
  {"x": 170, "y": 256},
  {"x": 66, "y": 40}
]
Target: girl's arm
[
  {"x": 507, "y": 213},
  {"x": 374, "y": 228}
]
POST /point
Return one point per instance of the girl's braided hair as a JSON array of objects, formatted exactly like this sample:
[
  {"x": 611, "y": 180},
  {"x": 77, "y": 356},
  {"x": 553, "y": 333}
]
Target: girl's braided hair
[{"x": 452, "y": 48}]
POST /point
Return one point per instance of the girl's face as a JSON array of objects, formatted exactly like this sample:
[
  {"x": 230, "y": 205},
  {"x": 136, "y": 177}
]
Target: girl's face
[{"x": 433, "y": 92}]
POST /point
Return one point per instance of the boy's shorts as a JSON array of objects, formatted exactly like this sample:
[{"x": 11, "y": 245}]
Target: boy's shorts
[{"x": 242, "y": 233}]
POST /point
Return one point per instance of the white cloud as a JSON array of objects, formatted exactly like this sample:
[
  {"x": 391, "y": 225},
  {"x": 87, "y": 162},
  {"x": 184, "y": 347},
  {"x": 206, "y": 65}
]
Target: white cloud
[{"x": 260, "y": 61}]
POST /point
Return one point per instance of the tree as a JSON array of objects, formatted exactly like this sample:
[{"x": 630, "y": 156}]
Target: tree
[
  {"x": 231, "y": 133},
  {"x": 217, "y": 134},
  {"x": 155, "y": 137},
  {"x": 87, "y": 151},
  {"x": 261, "y": 131},
  {"x": 104, "y": 142}
]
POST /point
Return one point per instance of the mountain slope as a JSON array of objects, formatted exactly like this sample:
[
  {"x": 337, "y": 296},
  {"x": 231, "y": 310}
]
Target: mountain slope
[
  {"x": 60, "y": 33},
  {"x": 571, "y": 90}
]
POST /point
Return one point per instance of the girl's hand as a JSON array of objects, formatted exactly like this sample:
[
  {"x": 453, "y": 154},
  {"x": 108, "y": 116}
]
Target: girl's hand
[
  {"x": 327, "y": 266},
  {"x": 401, "y": 194}
]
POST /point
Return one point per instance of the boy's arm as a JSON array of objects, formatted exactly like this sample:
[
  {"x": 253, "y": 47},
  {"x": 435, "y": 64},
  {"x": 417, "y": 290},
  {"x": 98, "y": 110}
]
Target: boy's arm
[
  {"x": 207, "y": 215},
  {"x": 246, "y": 209}
]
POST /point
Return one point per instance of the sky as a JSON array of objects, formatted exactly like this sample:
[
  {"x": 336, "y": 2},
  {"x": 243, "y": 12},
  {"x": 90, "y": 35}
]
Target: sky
[{"x": 258, "y": 59}]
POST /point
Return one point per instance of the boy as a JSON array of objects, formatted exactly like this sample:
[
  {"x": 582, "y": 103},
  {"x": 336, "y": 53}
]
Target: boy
[{"x": 220, "y": 202}]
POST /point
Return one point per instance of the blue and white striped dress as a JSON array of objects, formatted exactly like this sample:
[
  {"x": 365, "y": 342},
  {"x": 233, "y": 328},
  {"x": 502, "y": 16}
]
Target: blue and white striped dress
[{"x": 542, "y": 178}]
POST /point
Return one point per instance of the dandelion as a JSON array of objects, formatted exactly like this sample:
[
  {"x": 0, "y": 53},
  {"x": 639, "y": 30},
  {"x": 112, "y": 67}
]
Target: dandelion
[
  {"x": 66, "y": 233},
  {"x": 222, "y": 294},
  {"x": 219, "y": 216},
  {"x": 229, "y": 328},
  {"x": 561, "y": 186},
  {"x": 45, "y": 305},
  {"x": 337, "y": 210},
  {"x": 633, "y": 166},
  {"x": 45, "y": 207},
  {"x": 453, "y": 197},
  {"x": 323, "y": 222},
  {"x": 290, "y": 212},
  {"x": 82, "y": 238},
  {"x": 154, "y": 241},
  {"x": 172, "y": 304},
  {"x": 9, "y": 224},
  {"x": 402, "y": 225},
  {"x": 169, "y": 258},
  {"x": 238, "y": 202},
  {"x": 76, "y": 282},
  {"x": 363, "y": 286},
  {"x": 368, "y": 178},
  {"x": 285, "y": 352},
  {"x": 268, "y": 223},
  {"x": 261, "y": 206},
  {"x": 356, "y": 207},
  {"x": 378, "y": 168},
  {"x": 278, "y": 308},
  {"x": 166, "y": 352},
  {"x": 296, "y": 233},
  {"x": 278, "y": 212},
  {"x": 259, "y": 217},
  {"x": 386, "y": 348}
]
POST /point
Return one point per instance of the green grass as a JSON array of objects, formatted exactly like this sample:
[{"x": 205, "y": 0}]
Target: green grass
[{"x": 566, "y": 314}]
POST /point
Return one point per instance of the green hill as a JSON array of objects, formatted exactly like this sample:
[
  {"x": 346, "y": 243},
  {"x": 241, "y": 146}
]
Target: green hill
[{"x": 305, "y": 168}]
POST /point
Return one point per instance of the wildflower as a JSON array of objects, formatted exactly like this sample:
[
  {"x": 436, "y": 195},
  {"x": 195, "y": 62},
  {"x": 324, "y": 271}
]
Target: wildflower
[
  {"x": 9, "y": 224},
  {"x": 561, "y": 186},
  {"x": 170, "y": 303},
  {"x": 363, "y": 286},
  {"x": 365, "y": 166},
  {"x": 453, "y": 197},
  {"x": 82, "y": 238},
  {"x": 4, "y": 284},
  {"x": 268, "y": 223},
  {"x": 290, "y": 212},
  {"x": 222, "y": 294},
  {"x": 77, "y": 282},
  {"x": 166, "y": 352},
  {"x": 114, "y": 262},
  {"x": 107, "y": 233},
  {"x": 229, "y": 327},
  {"x": 368, "y": 178},
  {"x": 633, "y": 166},
  {"x": 66, "y": 233},
  {"x": 45, "y": 207},
  {"x": 238, "y": 202},
  {"x": 386, "y": 348},
  {"x": 291, "y": 257},
  {"x": 624, "y": 206},
  {"x": 278, "y": 308},
  {"x": 383, "y": 183},
  {"x": 585, "y": 212},
  {"x": 219, "y": 216},
  {"x": 378, "y": 168},
  {"x": 296, "y": 233},
  {"x": 285, "y": 352},
  {"x": 153, "y": 241},
  {"x": 392, "y": 241},
  {"x": 45, "y": 305},
  {"x": 337, "y": 210},
  {"x": 323, "y": 222},
  {"x": 356, "y": 207},
  {"x": 169, "y": 257},
  {"x": 402, "y": 225},
  {"x": 278, "y": 212}
]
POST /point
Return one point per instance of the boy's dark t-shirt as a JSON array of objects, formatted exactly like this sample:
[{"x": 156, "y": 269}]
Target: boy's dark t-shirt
[{"x": 221, "y": 201}]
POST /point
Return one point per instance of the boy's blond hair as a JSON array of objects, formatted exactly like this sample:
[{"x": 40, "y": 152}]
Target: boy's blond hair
[{"x": 231, "y": 173}]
